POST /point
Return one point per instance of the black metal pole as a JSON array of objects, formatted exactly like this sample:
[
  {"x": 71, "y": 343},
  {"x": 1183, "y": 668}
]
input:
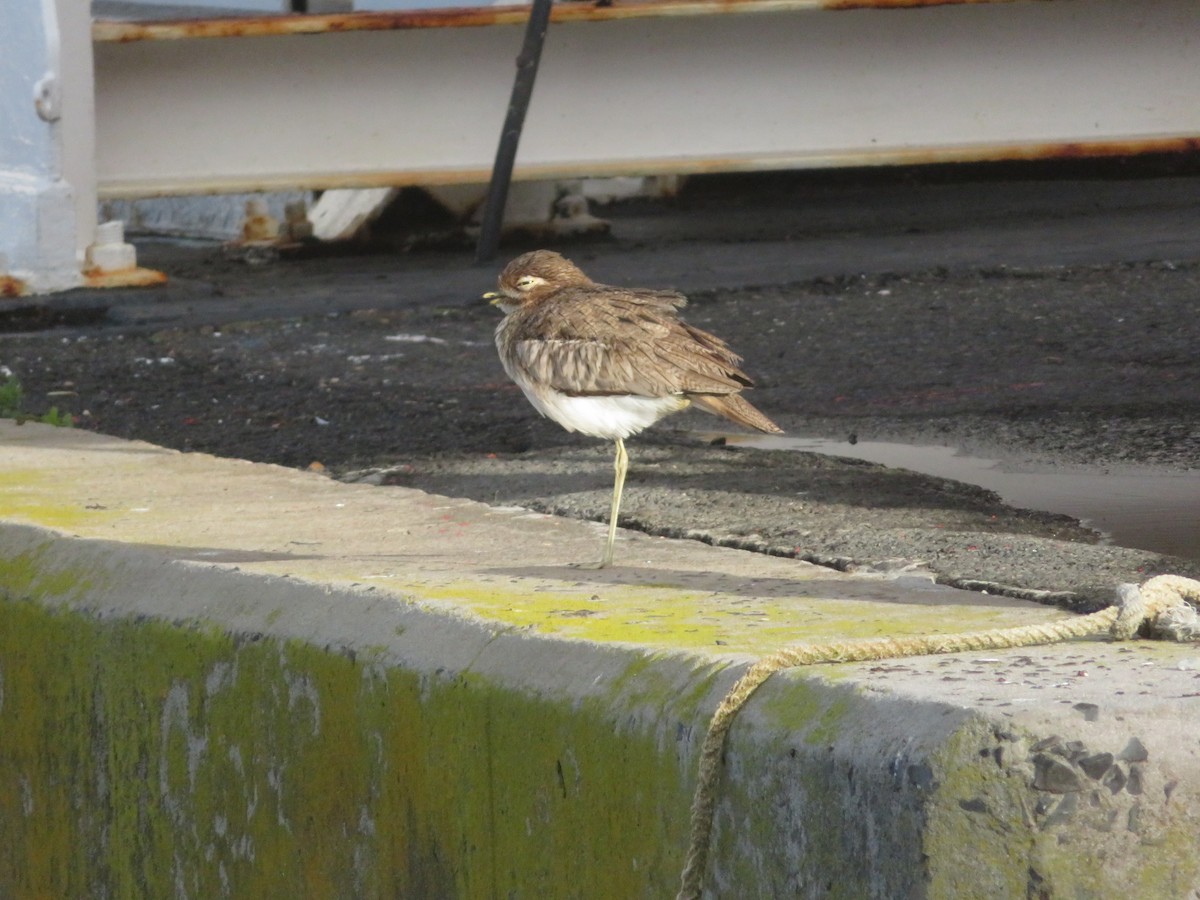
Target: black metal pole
[{"x": 506, "y": 152}]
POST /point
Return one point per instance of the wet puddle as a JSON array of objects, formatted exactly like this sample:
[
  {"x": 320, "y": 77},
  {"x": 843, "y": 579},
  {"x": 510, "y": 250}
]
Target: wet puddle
[{"x": 1141, "y": 508}]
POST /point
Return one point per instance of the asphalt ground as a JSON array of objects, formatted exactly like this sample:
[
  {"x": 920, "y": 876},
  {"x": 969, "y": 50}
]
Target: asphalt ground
[{"x": 1044, "y": 317}]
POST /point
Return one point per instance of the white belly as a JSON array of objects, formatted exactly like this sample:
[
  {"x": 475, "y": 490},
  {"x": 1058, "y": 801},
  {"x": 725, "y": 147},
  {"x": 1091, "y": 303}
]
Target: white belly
[{"x": 603, "y": 417}]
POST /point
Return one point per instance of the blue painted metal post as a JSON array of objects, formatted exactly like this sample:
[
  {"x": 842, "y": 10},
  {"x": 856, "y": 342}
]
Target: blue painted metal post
[{"x": 47, "y": 164}]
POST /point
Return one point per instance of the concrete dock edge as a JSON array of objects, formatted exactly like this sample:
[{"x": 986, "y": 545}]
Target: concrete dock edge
[{"x": 173, "y": 727}]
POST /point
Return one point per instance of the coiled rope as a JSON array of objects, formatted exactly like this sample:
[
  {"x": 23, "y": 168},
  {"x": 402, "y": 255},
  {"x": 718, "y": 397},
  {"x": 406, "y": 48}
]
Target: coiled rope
[{"x": 1163, "y": 601}]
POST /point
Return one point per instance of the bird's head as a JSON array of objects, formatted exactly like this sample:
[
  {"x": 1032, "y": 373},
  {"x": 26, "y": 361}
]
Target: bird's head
[{"x": 532, "y": 276}]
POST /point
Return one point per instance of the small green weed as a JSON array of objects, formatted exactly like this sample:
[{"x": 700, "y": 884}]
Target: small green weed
[
  {"x": 12, "y": 400},
  {"x": 10, "y": 397}
]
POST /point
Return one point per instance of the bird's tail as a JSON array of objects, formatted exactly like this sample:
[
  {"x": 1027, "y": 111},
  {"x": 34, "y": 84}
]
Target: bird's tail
[{"x": 737, "y": 409}]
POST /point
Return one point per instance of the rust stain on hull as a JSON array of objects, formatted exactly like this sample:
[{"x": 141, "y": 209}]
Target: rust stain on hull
[
  {"x": 109, "y": 30},
  {"x": 1064, "y": 150},
  {"x": 263, "y": 26},
  {"x": 135, "y": 277},
  {"x": 12, "y": 287}
]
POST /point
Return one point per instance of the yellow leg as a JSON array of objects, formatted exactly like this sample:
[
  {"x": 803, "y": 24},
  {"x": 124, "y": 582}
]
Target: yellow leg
[{"x": 620, "y": 466}]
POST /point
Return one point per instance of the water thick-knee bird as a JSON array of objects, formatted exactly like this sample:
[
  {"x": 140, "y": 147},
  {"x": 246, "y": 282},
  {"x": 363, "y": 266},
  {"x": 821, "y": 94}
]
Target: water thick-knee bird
[{"x": 609, "y": 361}]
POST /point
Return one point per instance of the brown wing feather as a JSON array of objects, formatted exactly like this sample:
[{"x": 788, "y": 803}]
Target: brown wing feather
[
  {"x": 736, "y": 408},
  {"x": 589, "y": 340},
  {"x": 601, "y": 340}
]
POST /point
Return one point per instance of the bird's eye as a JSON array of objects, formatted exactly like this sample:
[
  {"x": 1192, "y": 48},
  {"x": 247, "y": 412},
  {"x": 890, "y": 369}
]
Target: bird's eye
[{"x": 525, "y": 282}]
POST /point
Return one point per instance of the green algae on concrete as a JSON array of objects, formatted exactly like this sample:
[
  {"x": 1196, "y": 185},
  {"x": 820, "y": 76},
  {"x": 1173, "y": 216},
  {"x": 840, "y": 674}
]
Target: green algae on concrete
[
  {"x": 30, "y": 494},
  {"x": 139, "y": 758},
  {"x": 1000, "y": 826},
  {"x": 836, "y": 787},
  {"x": 905, "y": 798},
  {"x": 24, "y": 574},
  {"x": 661, "y": 615},
  {"x": 147, "y": 757},
  {"x": 812, "y": 710}
]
